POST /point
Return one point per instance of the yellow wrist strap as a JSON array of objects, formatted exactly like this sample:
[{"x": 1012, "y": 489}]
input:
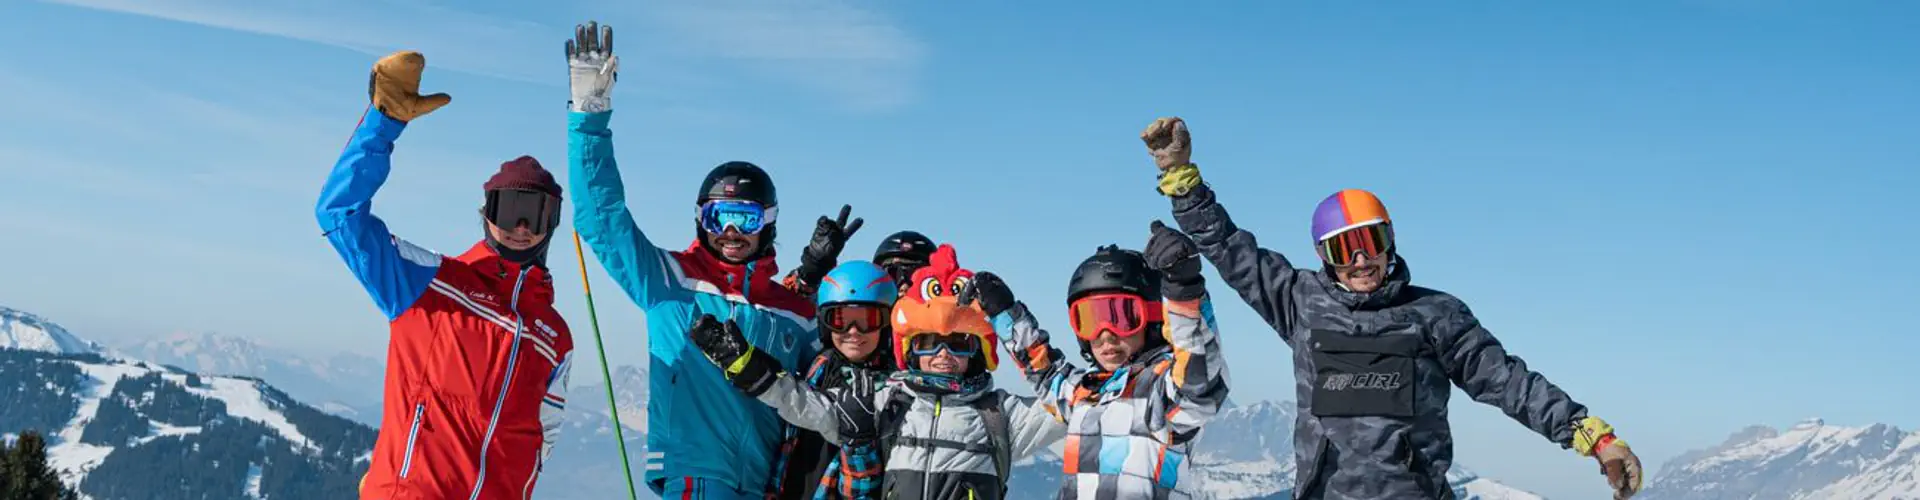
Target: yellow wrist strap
[
  {"x": 1178, "y": 181},
  {"x": 739, "y": 363},
  {"x": 1589, "y": 432}
]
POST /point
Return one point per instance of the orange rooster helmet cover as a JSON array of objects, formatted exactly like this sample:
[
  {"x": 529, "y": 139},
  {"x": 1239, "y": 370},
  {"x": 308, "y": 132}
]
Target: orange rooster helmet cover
[{"x": 931, "y": 306}]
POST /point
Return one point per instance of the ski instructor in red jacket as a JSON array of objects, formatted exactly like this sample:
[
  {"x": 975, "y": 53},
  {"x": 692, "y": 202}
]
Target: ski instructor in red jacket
[{"x": 477, "y": 357}]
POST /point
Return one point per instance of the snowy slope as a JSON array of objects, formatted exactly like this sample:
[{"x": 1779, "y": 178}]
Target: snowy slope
[
  {"x": 22, "y": 330},
  {"x": 242, "y": 399},
  {"x": 1808, "y": 461},
  {"x": 1246, "y": 452},
  {"x": 344, "y": 384},
  {"x": 119, "y": 428}
]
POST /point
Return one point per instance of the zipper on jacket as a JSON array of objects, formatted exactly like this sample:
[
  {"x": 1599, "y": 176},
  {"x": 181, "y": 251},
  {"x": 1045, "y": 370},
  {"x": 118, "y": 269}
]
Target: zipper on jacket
[
  {"x": 513, "y": 358},
  {"x": 933, "y": 426},
  {"x": 413, "y": 432}
]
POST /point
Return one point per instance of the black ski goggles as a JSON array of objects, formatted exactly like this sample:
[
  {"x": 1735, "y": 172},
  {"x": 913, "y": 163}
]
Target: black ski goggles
[
  {"x": 509, "y": 208},
  {"x": 959, "y": 344}
]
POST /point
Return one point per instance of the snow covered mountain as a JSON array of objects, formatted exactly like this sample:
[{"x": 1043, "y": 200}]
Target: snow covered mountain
[
  {"x": 22, "y": 330},
  {"x": 130, "y": 429},
  {"x": 344, "y": 384},
  {"x": 1809, "y": 461},
  {"x": 1246, "y": 452}
]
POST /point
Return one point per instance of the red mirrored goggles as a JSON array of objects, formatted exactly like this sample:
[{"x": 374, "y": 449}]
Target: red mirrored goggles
[
  {"x": 1123, "y": 314},
  {"x": 866, "y": 318},
  {"x": 1345, "y": 248}
]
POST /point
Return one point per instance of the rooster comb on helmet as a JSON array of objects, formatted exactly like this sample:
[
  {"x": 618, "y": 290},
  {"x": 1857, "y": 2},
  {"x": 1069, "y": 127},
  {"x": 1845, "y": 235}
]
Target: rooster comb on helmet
[{"x": 930, "y": 306}]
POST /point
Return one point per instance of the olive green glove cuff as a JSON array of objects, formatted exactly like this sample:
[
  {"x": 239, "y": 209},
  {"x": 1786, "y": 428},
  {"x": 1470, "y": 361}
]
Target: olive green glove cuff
[
  {"x": 1178, "y": 181},
  {"x": 1592, "y": 434}
]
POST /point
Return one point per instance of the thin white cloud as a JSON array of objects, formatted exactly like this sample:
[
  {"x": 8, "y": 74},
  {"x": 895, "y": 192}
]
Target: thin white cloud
[
  {"x": 856, "y": 56},
  {"x": 453, "y": 39},
  {"x": 859, "y": 55}
]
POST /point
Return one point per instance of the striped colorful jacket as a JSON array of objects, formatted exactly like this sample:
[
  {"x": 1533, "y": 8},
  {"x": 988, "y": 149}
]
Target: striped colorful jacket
[{"x": 1129, "y": 431}]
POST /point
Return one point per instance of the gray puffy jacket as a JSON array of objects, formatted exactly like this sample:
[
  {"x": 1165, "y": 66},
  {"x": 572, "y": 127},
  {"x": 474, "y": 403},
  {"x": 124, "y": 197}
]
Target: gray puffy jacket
[
  {"x": 1373, "y": 371},
  {"x": 942, "y": 450}
]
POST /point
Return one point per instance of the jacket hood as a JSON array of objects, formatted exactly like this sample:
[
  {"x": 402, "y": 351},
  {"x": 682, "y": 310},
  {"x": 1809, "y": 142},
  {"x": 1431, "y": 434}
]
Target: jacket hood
[{"x": 538, "y": 288}]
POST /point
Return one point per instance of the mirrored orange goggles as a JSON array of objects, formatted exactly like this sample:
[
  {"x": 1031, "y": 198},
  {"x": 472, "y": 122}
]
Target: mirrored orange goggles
[
  {"x": 866, "y": 318},
  {"x": 1123, "y": 314},
  {"x": 1345, "y": 248}
]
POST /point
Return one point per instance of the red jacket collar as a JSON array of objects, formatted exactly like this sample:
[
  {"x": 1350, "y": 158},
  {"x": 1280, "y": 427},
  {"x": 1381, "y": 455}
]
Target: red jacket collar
[
  {"x": 538, "y": 287},
  {"x": 700, "y": 264}
]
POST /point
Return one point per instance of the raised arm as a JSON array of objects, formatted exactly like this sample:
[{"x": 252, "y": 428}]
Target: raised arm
[
  {"x": 1196, "y": 382},
  {"x": 395, "y": 273},
  {"x": 1476, "y": 362},
  {"x": 600, "y": 211},
  {"x": 1262, "y": 277}
]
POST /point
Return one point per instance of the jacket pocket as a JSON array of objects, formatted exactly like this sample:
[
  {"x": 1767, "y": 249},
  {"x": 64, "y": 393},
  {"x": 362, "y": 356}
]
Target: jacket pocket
[
  {"x": 413, "y": 434},
  {"x": 1363, "y": 376}
]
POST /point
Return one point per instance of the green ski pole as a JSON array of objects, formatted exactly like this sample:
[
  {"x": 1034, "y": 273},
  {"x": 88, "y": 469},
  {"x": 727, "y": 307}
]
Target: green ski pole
[{"x": 613, "y": 408}]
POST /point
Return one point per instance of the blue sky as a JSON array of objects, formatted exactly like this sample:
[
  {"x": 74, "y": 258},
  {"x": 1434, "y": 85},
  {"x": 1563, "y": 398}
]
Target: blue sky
[{"x": 1691, "y": 215}]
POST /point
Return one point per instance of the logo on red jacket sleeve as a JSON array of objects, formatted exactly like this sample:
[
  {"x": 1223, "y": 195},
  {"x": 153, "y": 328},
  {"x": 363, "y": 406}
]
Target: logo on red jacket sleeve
[{"x": 542, "y": 325}]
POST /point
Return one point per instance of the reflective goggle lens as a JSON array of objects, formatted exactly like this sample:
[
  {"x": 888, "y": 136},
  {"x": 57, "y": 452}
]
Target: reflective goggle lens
[
  {"x": 509, "y": 208},
  {"x": 1125, "y": 315},
  {"x": 867, "y": 319},
  {"x": 744, "y": 216},
  {"x": 960, "y": 344},
  {"x": 1346, "y": 247}
]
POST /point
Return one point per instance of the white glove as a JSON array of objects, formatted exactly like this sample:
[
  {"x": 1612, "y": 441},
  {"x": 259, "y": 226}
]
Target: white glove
[{"x": 591, "y": 67}]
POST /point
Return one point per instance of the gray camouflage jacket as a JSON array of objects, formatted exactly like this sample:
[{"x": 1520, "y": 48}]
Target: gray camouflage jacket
[{"x": 1373, "y": 371}]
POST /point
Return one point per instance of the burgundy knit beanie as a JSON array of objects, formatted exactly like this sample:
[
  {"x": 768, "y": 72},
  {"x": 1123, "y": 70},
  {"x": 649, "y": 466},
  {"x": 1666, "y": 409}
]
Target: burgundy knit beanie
[{"x": 524, "y": 173}]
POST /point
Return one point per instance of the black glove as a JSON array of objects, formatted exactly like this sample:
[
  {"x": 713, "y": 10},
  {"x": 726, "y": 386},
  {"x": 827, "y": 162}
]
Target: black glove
[
  {"x": 1178, "y": 260},
  {"x": 990, "y": 291},
  {"x": 859, "y": 420},
  {"x": 728, "y": 348},
  {"x": 829, "y": 238}
]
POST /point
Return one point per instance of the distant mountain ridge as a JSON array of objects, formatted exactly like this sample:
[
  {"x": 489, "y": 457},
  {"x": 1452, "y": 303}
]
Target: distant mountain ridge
[
  {"x": 1245, "y": 453},
  {"x": 1810, "y": 460},
  {"x": 26, "y": 331},
  {"x": 344, "y": 384}
]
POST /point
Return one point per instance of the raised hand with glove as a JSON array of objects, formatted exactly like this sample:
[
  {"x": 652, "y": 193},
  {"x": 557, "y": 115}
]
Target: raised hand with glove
[
  {"x": 394, "y": 87},
  {"x": 823, "y": 253},
  {"x": 1177, "y": 258},
  {"x": 1593, "y": 437},
  {"x": 990, "y": 291},
  {"x": 1172, "y": 149},
  {"x": 591, "y": 68},
  {"x": 728, "y": 348}
]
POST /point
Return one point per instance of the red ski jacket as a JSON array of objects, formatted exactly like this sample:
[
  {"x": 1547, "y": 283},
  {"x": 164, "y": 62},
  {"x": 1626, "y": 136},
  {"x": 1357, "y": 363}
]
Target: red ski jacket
[{"x": 477, "y": 359}]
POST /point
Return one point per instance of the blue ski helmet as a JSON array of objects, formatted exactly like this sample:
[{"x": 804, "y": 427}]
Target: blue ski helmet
[{"x": 856, "y": 282}]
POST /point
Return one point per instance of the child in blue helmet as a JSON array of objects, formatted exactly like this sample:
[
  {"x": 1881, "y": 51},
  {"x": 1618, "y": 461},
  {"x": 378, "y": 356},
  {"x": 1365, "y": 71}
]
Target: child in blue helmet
[{"x": 853, "y": 302}]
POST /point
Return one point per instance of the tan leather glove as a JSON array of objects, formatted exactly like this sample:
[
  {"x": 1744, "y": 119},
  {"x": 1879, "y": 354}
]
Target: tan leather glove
[
  {"x": 1593, "y": 437},
  {"x": 1172, "y": 149},
  {"x": 1167, "y": 139},
  {"x": 394, "y": 86}
]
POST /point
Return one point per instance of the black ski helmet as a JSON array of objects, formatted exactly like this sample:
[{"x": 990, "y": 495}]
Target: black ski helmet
[
  {"x": 739, "y": 180},
  {"x": 909, "y": 246},
  {"x": 1114, "y": 269}
]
